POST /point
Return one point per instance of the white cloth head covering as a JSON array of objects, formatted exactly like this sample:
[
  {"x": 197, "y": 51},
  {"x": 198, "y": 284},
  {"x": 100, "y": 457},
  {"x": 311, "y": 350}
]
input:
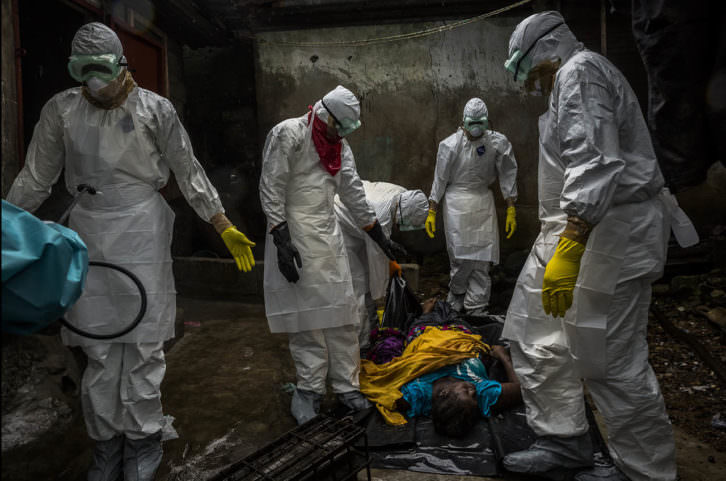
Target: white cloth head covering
[
  {"x": 475, "y": 108},
  {"x": 94, "y": 39},
  {"x": 558, "y": 43},
  {"x": 342, "y": 104},
  {"x": 413, "y": 207}
]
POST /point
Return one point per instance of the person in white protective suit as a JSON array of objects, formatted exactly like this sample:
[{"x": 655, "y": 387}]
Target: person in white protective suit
[
  {"x": 467, "y": 163},
  {"x": 396, "y": 209},
  {"x": 580, "y": 306},
  {"x": 124, "y": 141},
  {"x": 308, "y": 287}
]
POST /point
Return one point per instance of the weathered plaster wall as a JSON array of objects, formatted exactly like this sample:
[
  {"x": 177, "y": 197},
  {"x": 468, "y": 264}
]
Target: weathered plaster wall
[
  {"x": 412, "y": 96},
  {"x": 413, "y": 91}
]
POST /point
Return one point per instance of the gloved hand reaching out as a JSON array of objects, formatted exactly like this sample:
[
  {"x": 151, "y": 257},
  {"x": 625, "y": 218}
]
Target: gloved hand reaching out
[
  {"x": 287, "y": 254},
  {"x": 240, "y": 248},
  {"x": 237, "y": 243},
  {"x": 390, "y": 248}
]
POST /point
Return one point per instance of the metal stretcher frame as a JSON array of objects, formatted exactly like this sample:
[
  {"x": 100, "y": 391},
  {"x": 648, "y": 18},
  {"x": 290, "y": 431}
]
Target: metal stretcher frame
[{"x": 316, "y": 450}]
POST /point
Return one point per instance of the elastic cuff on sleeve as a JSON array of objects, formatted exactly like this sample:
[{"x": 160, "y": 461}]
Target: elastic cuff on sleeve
[
  {"x": 220, "y": 222},
  {"x": 577, "y": 230}
]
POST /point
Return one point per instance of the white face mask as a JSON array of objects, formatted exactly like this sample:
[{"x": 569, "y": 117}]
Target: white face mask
[
  {"x": 95, "y": 84},
  {"x": 476, "y": 130}
]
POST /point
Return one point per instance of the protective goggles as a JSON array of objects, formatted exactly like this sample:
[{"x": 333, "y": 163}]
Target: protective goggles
[
  {"x": 344, "y": 127},
  {"x": 402, "y": 224},
  {"x": 519, "y": 64},
  {"x": 470, "y": 123},
  {"x": 105, "y": 67}
]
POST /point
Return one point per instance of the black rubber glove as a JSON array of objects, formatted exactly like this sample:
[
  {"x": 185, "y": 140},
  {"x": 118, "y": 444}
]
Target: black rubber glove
[
  {"x": 390, "y": 248},
  {"x": 287, "y": 254}
]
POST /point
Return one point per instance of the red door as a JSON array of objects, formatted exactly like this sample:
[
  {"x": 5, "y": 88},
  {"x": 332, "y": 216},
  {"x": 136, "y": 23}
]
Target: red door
[{"x": 146, "y": 60}]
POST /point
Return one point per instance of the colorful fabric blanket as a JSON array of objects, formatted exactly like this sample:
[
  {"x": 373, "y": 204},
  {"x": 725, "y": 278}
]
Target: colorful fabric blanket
[{"x": 433, "y": 349}]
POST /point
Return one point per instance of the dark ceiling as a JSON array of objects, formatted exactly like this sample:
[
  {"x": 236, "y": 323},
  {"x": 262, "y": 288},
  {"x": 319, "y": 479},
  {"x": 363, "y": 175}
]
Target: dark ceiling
[{"x": 215, "y": 22}]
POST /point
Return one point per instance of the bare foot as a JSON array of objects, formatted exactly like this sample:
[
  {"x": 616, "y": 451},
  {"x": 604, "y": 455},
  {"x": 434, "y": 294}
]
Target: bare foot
[{"x": 428, "y": 304}]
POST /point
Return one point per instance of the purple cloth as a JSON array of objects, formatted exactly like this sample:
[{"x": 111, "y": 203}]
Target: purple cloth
[{"x": 386, "y": 343}]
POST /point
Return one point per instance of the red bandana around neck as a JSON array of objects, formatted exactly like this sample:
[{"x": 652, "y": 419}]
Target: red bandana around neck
[{"x": 328, "y": 151}]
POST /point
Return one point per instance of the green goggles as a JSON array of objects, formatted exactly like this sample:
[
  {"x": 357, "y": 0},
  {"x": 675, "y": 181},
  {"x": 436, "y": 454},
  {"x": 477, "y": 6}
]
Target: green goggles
[
  {"x": 470, "y": 123},
  {"x": 343, "y": 126},
  {"x": 518, "y": 65},
  {"x": 105, "y": 67},
  {"x": 347, "y": 126}
]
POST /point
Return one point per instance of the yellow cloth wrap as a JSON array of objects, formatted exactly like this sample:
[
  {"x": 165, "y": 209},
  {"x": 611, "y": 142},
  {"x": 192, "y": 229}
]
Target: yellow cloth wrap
[{"x": 432, "y": 350}]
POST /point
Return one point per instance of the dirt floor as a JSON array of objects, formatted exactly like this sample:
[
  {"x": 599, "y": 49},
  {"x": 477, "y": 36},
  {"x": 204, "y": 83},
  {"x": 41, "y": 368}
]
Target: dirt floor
[
  {"x": 227, "y": 379},
  {"x": 694, "y": 394},
  {"x": 225, "y": 386}
]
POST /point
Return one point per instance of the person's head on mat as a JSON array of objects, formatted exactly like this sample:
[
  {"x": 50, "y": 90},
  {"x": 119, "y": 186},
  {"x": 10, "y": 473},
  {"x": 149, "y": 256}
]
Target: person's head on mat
[{"x": 454, "y": 408}]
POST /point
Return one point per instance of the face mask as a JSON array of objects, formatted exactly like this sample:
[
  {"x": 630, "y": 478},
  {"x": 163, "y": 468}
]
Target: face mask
[
  {"x": 476, "y": 127},
  {"x": 95, "y": 84},
  {"x": 475, "y": 130}
]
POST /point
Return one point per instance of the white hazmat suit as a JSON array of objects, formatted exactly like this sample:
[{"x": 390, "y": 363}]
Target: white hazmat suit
[
  {"x": 596, "y": 162},
  {"x": 465, "y": 170},
  {"x": 127, "y": 154},
  {"x": 369, "y": 265},
  {"x": 320, "y": 310}
]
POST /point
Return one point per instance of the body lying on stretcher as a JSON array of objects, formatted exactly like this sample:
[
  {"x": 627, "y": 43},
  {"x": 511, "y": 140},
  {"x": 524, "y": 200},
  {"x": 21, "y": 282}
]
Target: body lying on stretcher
[{"x": 441, "y": 372}]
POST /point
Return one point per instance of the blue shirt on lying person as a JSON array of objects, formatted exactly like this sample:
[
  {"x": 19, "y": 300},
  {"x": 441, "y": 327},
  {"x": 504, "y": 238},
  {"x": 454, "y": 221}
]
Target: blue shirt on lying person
[{"x": 419, "y": 392}]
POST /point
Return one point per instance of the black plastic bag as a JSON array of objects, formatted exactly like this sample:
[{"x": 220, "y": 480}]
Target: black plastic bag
[{"x": 401, "y": 305}]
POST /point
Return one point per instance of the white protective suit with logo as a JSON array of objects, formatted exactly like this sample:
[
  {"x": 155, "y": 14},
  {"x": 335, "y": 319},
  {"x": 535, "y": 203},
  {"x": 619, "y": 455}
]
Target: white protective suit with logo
[
  {"x": 596, "y": 162},
  {"x": 320, "y": 310},
  {"x": 127, "y": 154},
  {"x": 462, "y": 179},
  {"x": 368, "y": 264}
]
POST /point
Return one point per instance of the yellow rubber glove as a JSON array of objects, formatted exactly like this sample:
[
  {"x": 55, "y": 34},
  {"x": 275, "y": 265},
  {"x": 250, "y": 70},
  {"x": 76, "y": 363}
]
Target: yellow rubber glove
[
  {"x": 240, "y": 248},
  {"x": 560, "y": 277},
  {"x": 511, "y": 224},
  {"x": 431, "y": 223}
]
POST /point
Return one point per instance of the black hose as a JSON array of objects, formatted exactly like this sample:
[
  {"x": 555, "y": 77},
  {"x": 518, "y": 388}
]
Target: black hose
[{"x": 139, "y": 316}]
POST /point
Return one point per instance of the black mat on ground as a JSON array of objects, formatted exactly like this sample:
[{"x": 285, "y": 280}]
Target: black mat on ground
[
  {"x": 387, "y": 437},
  {"x": 476, "y": 454},
  {"x": 416, "y": 446}
]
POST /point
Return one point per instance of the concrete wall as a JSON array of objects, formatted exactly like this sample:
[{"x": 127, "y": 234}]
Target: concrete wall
[
  {"x": 10, "y": 163},
  {"x": 412, "y": 96}
]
